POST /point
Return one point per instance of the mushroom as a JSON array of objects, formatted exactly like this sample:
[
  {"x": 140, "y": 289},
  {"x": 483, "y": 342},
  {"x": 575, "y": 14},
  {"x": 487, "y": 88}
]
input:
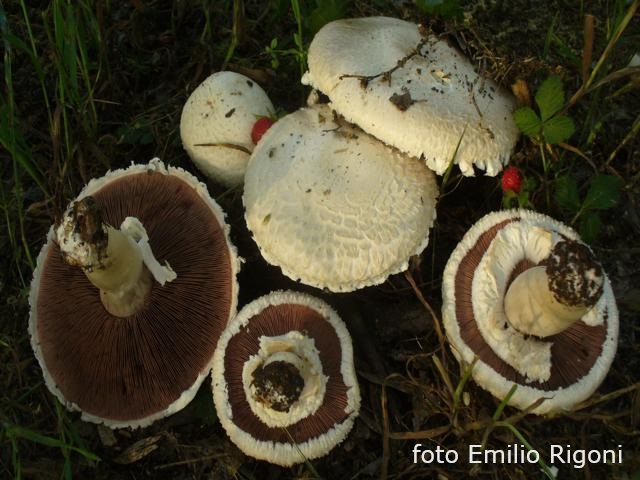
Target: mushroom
[
  {"x": 334, "y": 207},
  {"x": 413, "y": 92},
  {"x": 128, "y": 339},
  {"x": 216, "y": 125},
  {"x": 526, "y": 299},
  {"x": 284, "y": 383}
]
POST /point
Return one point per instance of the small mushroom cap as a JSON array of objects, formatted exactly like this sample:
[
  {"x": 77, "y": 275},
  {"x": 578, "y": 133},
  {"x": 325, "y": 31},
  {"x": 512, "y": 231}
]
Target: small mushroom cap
[
  {"x": 334, "y": 207},
  {"x": 429, "y": 105},
  {"x": 564, "y": 368},
  {"x": 316, "y": 329},
  {"x": 222, "y": 111},
  {"x": 129, "y": 372}
]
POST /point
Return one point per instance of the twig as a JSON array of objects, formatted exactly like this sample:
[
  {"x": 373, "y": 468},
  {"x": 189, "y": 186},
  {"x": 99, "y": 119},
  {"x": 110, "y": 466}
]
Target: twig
[{"x": 386, "y": 75}]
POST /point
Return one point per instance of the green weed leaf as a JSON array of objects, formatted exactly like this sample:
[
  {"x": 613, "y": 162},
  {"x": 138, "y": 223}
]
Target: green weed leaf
[
  {"x": 16, "y": 431},
  {"x": 327, "y": 11},
  {"x": 566, "y": 193},
  {"x": 590, "y": 226},
  {"x": 550, "y": 97},
  {"x": 447, "y": 9},
  {"x": 603, "y": 193},
  {"x": 558, "y": 129},
  {"x": 527, "y": 121}
]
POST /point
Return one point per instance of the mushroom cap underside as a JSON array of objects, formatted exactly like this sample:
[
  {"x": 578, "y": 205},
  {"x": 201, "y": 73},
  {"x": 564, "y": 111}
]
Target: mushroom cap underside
[
  {"x": 564, "y": 368},
  {"x": 315, "y": 433},
  {"x": 132, "y": 371}
]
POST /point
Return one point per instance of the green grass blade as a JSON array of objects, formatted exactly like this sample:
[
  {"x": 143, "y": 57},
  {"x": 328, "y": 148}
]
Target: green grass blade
[{"x": 504, "y": 402}]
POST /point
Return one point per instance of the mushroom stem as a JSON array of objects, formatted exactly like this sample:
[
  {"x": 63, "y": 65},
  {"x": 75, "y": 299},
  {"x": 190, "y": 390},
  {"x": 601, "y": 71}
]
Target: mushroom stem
[
  {"x": 278, "y": 384},
  {"x": 124, "y": 282},
  {"x": 112, "y": 259},
  {"x": 532, "y": 309},
  {"x": 547, "y": 299}
]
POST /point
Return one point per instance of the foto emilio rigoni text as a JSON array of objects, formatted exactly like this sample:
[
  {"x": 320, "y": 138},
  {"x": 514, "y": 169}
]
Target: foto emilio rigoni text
[{"x": 516, "y": 453}]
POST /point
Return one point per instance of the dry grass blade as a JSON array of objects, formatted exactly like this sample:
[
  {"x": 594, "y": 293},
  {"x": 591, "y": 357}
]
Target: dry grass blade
[
  {"x": 436, "y": 320},
  {"x": 631, "y": 135},
  {"x": 384, "y": 468},
  {"x": 190, "y": 461},
  {"x": 421, "y": 434},
  {"x": 445, "y": 375},
  {"x": 225, "y": 145},
  {"x": 587, "y": 46},
  {"x": 607, "y": 397},
  {"x": 586, "y": 86}
]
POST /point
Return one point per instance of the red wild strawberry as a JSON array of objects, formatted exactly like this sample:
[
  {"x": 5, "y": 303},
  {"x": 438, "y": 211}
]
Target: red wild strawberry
[
  {"x": 259, "y": 128},
  {"x": 511, "y": 180}
]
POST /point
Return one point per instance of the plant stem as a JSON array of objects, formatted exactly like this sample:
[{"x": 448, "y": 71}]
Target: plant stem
[{"x": 545, "y": 167}]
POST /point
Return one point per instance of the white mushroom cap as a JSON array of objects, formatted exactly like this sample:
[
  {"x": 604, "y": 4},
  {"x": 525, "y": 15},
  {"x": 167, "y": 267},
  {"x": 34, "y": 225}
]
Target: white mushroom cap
[
  {"x": 216, "y": 124},
  {"x": 130, "y": 372},
  {"x": 429, "y": 103},
  {"x": 564, "y": 368},
  {"x": 279, "y": 327},
  {"x": 332, "y": 206}
]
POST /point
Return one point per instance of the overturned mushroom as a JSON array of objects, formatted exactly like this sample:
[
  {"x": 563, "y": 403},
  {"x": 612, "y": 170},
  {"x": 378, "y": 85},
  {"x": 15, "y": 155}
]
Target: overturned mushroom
[
  {"x": 284, "y": 383},
  {"x": 413, "y": 92},
  {"x": 334, "y": 207},
  {"x": 523, "y": 295},
  {"x": 217, "y": 121},
  {"x": 129, "y": 337}
]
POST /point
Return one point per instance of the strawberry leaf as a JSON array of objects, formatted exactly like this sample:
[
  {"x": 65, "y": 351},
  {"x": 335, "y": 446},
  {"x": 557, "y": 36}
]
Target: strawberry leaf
[
  {"x": 566, "y": 193},
  {"x": 558, "y": 129},
  {"x": 603, "y": 193},
  {"x": 527, "y": 121},
  {"x": 590, "y": 226},
  {"x": 550, "y": 97}
]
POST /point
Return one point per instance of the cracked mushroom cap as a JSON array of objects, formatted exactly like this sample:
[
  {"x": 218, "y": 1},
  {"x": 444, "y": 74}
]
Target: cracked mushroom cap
[
  {"x": 413, "y": 92},
  {"x": 129, "y": 372},
  {"x": 334, "y": 207},
  {"x": 283, "y": 372},
  {"x": 216, "y": 124},
  {"x": 562, "y": 367}
]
